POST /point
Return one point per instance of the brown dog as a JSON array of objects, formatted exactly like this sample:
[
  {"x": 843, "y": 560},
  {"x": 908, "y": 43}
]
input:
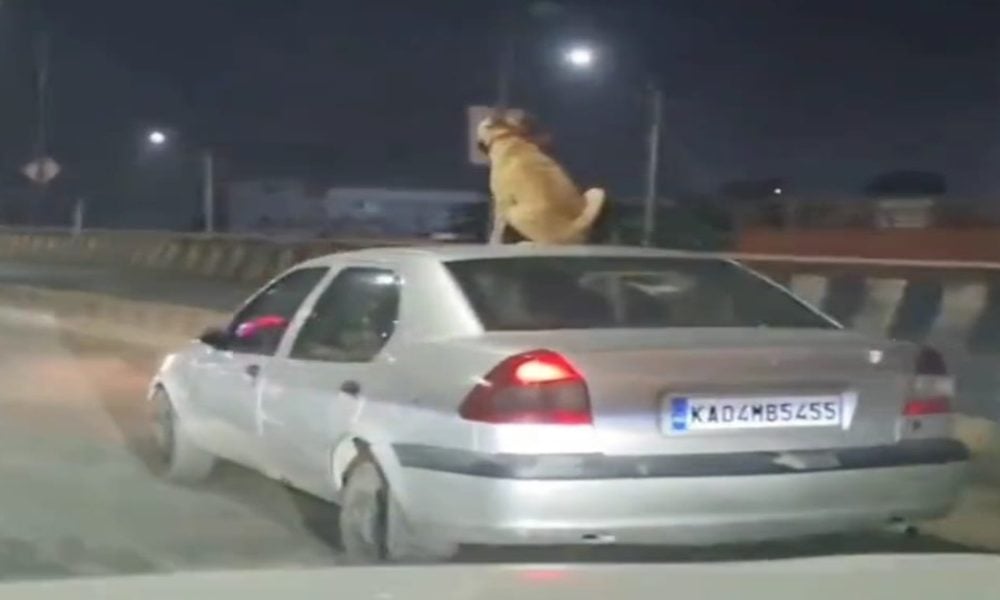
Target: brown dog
[{"x": 532, "y": 193}]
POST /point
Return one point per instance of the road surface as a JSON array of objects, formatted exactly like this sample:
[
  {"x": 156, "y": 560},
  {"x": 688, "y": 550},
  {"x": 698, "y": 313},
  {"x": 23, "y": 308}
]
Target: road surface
[{"x": 78, "y": 498}]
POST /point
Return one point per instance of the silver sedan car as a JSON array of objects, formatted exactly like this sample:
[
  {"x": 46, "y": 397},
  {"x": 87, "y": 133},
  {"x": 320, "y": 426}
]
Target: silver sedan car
[{"x": 560, "y": 395}]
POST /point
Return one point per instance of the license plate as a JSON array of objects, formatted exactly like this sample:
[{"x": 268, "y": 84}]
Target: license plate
[{"x": 698, "y": 413}]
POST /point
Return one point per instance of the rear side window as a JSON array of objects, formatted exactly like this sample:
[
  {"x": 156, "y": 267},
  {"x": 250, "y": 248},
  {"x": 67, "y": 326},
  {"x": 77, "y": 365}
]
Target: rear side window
[
  {"x": 352, "y": 319},
  {"x": 569, "y": 292}
]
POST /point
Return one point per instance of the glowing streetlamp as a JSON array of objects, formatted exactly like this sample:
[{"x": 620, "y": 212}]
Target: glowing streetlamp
[
  {"x": 157, "y": 137},
  {"x": 579, "y": 57}
]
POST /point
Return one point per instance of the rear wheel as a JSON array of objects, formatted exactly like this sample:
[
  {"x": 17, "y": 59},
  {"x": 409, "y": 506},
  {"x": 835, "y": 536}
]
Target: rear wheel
[
  {"x": 179, "y": 459},
  {"x": 371, "y": 527}
]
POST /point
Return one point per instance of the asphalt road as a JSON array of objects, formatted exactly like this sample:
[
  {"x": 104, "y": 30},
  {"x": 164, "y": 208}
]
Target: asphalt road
[{"x": 78, "y": 497}]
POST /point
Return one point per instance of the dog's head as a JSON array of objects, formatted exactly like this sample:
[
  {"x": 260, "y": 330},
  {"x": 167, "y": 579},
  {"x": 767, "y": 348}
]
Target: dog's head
[{"x": 517, "y": 125}]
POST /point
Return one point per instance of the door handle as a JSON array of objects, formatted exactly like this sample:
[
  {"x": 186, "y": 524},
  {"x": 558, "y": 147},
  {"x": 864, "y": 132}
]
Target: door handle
[
  {"x": 252, "y": 371},
  {"x": 351, "y": 387}
]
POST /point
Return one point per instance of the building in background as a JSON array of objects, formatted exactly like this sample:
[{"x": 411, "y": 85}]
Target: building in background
[
  {"x": 288, "y": 206},
  {"x": 908, "y": 213}
]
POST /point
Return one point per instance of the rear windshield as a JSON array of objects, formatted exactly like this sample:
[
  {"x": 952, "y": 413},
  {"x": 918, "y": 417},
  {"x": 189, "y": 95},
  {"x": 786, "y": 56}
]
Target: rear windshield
[{"x": 537, "y": 293}]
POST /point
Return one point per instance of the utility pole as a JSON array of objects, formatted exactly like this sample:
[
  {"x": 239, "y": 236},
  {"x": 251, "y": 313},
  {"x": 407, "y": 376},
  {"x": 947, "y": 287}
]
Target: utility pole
[
  {"x": 41, "y": 92},
  {"x": 653, "y": 163},
  {"x": 79, "y": 212},
  {"x": 41, "y": 123},
  {"x": 208, "y": 190},
  {"x": 505, "y": 71}
]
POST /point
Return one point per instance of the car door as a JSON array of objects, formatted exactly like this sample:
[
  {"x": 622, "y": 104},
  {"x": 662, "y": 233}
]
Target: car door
[
  {"x": 229, "y": 375},
  {"x": 313, "y": 391}
]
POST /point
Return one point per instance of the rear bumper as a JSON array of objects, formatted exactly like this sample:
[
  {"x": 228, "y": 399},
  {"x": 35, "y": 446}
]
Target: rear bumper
[{"x": 557, "y": 500}]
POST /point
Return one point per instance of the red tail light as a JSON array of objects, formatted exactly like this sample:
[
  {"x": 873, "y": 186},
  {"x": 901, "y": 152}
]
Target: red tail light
[
  {"x": 933, "y": 387},
  {"x": 537, "y": 387},
  {"x": 927, "y": 406}
]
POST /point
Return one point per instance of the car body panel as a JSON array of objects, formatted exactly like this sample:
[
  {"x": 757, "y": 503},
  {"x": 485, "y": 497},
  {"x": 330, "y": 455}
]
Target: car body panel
[{"x": 792, "y": 480}]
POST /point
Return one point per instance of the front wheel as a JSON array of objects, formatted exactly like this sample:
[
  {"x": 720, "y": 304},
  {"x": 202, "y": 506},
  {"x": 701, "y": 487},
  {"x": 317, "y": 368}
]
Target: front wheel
[
  {"x": 371, "y": 527},
  {"x": 179, "y": 459}
]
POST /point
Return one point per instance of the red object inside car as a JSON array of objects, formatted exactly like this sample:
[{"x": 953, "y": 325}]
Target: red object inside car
[{"x": 262, "y": 323}]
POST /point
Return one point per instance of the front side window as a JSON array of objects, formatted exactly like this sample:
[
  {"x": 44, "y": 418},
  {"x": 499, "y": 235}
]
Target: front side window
[
  {"x": 352, "y": 319},
  {"x": 258, "y": 327}
]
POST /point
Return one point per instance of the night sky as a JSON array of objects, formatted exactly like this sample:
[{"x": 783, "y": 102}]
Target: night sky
[{"x": 823, "y": 94}]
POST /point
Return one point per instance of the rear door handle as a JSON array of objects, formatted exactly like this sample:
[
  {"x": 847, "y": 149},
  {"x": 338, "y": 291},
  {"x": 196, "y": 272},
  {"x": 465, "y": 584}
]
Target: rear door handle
[
  {"x": 351, "y": 387},
  {"x": 252, "y": 371}
]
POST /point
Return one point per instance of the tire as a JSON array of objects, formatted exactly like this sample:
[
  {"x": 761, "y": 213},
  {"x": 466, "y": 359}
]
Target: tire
[
  {"x": 372, "y": 529},
  {"x": 178, "y": 458}
]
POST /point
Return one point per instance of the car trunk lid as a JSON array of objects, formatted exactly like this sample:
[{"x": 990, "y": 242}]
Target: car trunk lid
[{"x": 640, "y": 381}]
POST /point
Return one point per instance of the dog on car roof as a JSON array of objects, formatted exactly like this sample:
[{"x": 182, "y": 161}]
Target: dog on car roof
[{"x": 534, "y": 199}]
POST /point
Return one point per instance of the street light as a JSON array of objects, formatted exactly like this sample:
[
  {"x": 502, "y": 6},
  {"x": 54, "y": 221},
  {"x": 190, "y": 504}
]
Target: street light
[
  {"x": 582, "y": 57},
  {"x": 157, "y": 137},
  {"x": 579, "y": 57}
]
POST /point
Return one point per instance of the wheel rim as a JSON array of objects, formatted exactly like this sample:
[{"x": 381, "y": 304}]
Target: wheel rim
[{"x": 163, "y": 427}]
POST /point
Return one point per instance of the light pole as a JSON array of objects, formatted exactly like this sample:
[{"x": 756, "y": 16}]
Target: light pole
[
  {"x": 652, "y": 163},
  {"x": 582, "y": 57},
  {"x": 158, "y": 138},
  {"x": 505, "y": 73}
]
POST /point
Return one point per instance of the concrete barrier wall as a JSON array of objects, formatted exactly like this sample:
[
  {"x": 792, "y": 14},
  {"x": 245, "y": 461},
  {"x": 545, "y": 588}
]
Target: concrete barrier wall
[
  {"x": 236, "y": 258},
  {"x": 965, "y": 244}
]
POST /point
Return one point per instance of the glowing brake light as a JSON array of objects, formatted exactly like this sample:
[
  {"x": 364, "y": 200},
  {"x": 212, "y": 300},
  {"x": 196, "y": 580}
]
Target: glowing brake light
[
  {"x": 544, "y": 369},
  {"x": 537, "y": 387},
  {"x": 927, "y": 406}
]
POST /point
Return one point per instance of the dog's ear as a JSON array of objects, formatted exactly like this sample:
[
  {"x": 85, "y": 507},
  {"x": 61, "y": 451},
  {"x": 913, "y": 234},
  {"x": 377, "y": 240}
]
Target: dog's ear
[
  {"x": 523, "y": 123},
  {"x": 527, "y": 126}
]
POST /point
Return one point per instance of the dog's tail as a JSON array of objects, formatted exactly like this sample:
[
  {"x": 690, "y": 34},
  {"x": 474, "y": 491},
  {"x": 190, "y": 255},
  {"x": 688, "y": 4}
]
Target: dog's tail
[{"x": 593, "y": 205}]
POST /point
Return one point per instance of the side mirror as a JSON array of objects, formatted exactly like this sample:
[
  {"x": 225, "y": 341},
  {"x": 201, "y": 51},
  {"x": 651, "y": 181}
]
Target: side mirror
[{"x": 214, "y": 337}]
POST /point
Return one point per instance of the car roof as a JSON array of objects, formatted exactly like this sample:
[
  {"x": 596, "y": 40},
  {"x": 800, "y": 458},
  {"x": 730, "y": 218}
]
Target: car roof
[{"x": 449, "y": 252}]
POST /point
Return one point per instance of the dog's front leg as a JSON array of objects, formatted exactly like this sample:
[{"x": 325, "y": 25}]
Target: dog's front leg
[{"x": 496, "y": 234}]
